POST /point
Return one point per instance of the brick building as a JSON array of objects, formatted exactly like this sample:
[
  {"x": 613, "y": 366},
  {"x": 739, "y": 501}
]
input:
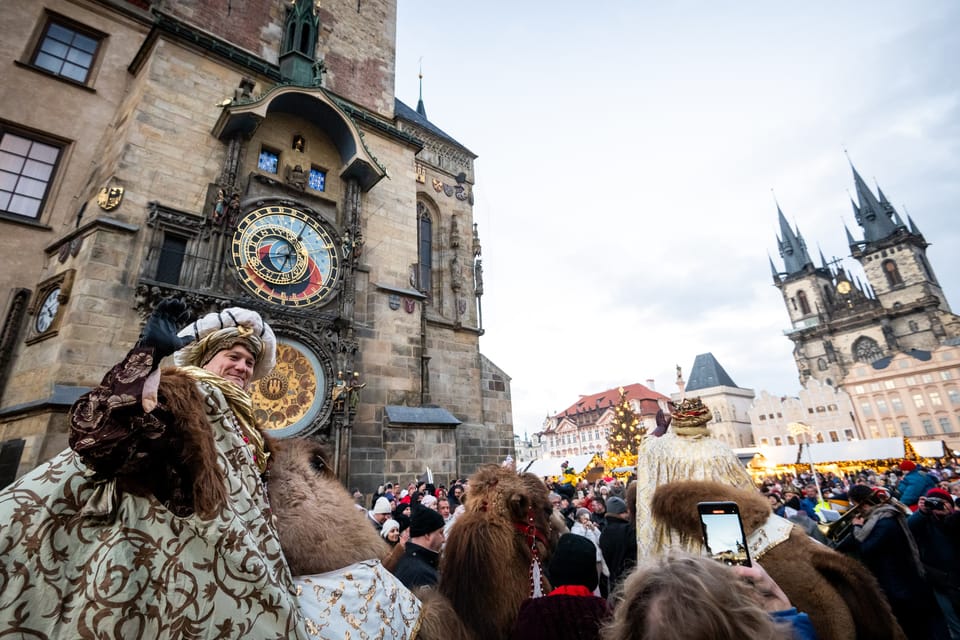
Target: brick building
[{"x": 247, "y": 153}]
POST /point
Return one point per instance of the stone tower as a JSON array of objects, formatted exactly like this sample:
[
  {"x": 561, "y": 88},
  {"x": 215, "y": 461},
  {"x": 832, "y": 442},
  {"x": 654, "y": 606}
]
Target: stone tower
[
  {"x": 242, "y": 154},
  {"x": 837, "y": 319}
]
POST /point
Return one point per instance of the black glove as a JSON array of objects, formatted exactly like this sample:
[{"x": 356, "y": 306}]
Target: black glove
[{"x": 160, "y": 332}]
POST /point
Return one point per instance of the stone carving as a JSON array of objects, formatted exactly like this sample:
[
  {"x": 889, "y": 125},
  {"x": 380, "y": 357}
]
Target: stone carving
[{"x": 296, "y": 177}]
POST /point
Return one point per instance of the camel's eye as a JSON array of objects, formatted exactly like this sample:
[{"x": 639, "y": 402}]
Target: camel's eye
[{"x": 318, "y": 464}]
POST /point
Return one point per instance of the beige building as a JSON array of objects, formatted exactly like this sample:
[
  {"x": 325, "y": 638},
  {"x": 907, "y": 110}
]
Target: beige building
[
  {"x": 248, "y": 153},
  {"x": 914, "y": 394},
  {"x": 827, "y": 411}
]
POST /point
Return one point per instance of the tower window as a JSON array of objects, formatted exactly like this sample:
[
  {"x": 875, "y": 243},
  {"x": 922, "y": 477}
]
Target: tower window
[
  {"x": 425, "y": 244},
  {"x": 893, "y": 273},
  {"x": 170, "y": 262},
  {"x": 268, "y": 160},
  {"x": 804, "y": 305}
]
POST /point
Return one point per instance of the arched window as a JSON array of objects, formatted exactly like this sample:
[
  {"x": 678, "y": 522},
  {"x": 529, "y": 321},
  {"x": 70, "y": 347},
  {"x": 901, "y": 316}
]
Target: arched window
[
  {"x": 305, "y": 42},
  {"x": 892, "y": 272},
  {"x": 804, "y": 305},
  {"x": 822, "y": 364},
  {"x": 425, "y": 248},
  {"x": 866, "y": 350}
]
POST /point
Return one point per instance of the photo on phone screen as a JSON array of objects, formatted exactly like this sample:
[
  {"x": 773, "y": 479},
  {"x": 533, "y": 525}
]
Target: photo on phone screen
[{"x": 723, "y": 535}]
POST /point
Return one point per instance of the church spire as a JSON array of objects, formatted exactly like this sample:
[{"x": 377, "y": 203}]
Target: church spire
[
  {"x": 420, "y": 108},
  {"x": 875, "y": 218},
  {"x": 793, "y": 249}
]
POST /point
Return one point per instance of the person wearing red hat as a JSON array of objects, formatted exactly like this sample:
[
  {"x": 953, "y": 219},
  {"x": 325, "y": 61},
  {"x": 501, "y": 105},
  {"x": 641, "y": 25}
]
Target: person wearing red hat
[
  {"x": 936, "y": 528},
  {"x": 915, "y": 483}
]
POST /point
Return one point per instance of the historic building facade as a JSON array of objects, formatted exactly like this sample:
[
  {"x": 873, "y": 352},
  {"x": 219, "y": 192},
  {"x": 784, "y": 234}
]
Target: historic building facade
[
  {"x": 728, "y": 403},
  {"x": 242, "y": 154},
  {"x": 840, "y": 324},
  {"x": 583, "y": 427},
  {"x": 914, "y": 394},
  {"x": 827, "y": 411},
  {"x": 837, "y": 320}
]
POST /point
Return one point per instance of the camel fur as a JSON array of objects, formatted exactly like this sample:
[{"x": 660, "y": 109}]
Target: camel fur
[
  {"x": 485, "y": 566},
  {"x": 839, "y": 594},
  {"x": 320, "y": 527}
]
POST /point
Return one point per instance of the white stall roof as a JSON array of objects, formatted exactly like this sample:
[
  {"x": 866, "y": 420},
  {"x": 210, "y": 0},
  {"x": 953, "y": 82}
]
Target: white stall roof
[
  {"x": 930, "y": 448},
  {"x": 825, "y": 452},
  {"x": 546, "y": 467}
]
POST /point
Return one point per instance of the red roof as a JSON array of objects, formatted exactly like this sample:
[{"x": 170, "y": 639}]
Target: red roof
[{"x": 648, "y": 400}]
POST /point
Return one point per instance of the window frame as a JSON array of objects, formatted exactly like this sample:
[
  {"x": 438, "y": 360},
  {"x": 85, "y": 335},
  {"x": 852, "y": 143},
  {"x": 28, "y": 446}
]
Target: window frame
[
  {"x": 43, "y": 29},
  {"x": 41, "y": 138}
]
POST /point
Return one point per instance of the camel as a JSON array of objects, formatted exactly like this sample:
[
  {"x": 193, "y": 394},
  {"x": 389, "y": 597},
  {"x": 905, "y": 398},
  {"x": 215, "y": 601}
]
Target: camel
[
  {"x": 841, "y": 597},
  {"x": 486, "y": 565}
]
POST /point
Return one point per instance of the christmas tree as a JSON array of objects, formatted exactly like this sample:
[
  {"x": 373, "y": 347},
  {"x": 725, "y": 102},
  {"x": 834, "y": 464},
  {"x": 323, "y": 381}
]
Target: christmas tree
[{"x": 627, "y": 429}]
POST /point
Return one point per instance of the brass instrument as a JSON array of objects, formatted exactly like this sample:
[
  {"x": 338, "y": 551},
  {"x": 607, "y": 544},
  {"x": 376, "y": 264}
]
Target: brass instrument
[{"x": 838, "y": 530}]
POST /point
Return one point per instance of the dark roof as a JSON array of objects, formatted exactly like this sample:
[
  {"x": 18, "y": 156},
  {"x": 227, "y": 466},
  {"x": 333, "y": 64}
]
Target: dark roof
[
  {"x": 605, "y": 399},
  {"x": 436, "y": 416},
  {"x": 404, "y": 112},
  {"x": 917, "y": 354},
  {"x": 707, "y": 373}
]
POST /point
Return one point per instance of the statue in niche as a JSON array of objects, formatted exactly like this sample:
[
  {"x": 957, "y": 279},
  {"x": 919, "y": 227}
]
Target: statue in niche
[
  {"x": 336, "y": 394},
  {"x": 353, "y": 391},
  {"x": 219, "y": 208},
  {"x": 476, "y": 241},
  {"x": 244, "y": 91},
  {"x": 296, "y": 177},
  {"x": 299, "y": 143},
  {"x": 456, "y": 276},
  {"x": 478, "y": 277},
  {"x": 233, "y": 210},
  {"x": 454, "y": 232}
]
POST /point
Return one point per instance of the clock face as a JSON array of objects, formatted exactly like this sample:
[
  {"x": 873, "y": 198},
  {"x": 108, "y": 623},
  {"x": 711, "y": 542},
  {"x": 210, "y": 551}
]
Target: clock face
[
  {"x": 48, "y": 310},
  {"x": 843, "y": 287},
  {"x": 285, "y": 256}
]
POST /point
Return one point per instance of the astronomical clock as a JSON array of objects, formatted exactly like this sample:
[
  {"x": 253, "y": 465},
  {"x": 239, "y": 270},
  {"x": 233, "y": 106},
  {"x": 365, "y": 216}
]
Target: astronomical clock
[{"x": 286, "y": 256}]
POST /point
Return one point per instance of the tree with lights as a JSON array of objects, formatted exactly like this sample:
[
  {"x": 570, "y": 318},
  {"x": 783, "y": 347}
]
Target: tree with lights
[{"x": 627, "y": 429}]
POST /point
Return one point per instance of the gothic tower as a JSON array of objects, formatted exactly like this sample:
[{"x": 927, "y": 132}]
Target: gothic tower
[{"x": 837, "y": 319}]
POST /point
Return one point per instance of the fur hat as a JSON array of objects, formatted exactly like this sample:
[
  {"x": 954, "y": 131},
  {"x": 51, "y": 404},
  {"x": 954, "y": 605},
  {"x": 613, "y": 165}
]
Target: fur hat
[
  {"x": 382, "y": 506},
  {"x": 216, "y": 331},
  {"x": 428, "y": 501},
  {"x": 616, "y": 505},
  {"x": 425, "y": 521},
  {"x": 574, "y": 562},
  {"x": 908, "y": 465}
]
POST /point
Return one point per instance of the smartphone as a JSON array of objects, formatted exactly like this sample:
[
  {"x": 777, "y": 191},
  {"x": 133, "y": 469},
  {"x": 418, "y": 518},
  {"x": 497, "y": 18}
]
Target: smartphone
[{"x": 723, "y": 535}]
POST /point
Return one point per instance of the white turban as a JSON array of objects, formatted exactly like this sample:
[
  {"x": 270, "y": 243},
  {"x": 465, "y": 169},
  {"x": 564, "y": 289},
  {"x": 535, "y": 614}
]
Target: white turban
[{"x": 214, "y": 329}]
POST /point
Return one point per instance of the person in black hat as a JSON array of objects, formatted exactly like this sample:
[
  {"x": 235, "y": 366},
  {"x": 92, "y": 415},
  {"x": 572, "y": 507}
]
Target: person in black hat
[
  {"x": 618, "y": 540},
  {"x": 571, "y": 611},
  {"x": 418, "y": 565}
]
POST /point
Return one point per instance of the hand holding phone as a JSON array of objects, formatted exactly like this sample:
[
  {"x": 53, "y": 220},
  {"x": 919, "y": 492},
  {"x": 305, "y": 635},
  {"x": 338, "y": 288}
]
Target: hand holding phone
[{"x": 723, "y": 535}]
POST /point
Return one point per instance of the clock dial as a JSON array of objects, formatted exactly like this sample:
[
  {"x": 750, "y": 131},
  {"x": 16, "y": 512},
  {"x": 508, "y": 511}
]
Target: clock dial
[
  {"x": 843, "y": 287},
  {"x": 48, "y": 310},
  {"x": 285, "y": 256}
]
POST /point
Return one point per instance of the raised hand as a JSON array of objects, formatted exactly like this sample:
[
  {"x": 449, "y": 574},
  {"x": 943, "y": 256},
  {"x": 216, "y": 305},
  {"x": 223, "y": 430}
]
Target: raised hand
[{"x": 160, "y": 331}]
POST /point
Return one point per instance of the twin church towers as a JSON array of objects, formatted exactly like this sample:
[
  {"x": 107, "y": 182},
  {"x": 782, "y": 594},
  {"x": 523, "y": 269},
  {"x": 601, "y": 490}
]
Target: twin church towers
[{"x": 837, "y": 319}]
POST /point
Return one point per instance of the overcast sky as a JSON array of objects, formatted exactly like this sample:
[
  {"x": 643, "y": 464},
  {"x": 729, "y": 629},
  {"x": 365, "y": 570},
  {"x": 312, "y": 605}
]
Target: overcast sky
[{"x": 627, "y": 153}]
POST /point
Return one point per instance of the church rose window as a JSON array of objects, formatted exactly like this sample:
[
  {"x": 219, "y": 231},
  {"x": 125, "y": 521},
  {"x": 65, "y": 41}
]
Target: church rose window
[{"x": 866, "y": 350}]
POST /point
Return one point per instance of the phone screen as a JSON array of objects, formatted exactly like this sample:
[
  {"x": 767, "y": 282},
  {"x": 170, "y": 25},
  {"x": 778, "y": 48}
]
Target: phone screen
[{"x": 723, "y": 534}]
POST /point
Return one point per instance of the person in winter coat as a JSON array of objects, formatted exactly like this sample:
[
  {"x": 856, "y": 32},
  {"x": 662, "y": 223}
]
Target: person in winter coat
[
  {"x": 915, "y": 483},
  {"x": 886, "y": 546},
  {"x": 618, "y": 541}
]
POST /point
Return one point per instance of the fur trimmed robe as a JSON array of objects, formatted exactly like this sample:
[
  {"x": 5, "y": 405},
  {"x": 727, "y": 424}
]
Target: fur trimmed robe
[{"x": 839, "y": 594}]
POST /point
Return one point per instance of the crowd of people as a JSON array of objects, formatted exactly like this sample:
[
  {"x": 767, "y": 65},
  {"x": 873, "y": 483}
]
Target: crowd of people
[{"x": 171, "y": 471}]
